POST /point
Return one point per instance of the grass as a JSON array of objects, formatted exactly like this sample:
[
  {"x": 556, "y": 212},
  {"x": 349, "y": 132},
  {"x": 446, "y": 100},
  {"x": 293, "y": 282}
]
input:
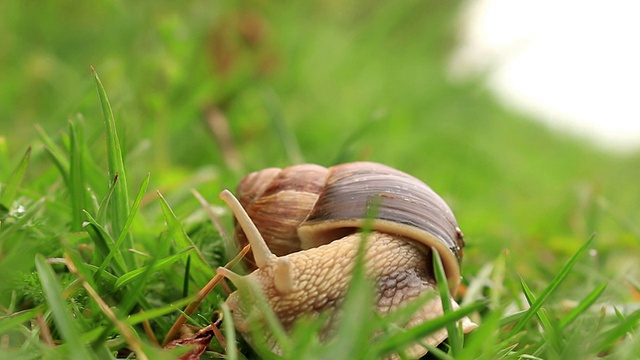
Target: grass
[{"x": 103, "y": 243}]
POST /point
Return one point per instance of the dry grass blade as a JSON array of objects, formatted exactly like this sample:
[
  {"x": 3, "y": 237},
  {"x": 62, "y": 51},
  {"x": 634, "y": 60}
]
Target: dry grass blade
[
  {"x": 15, "y": 319},
  {"x": 219, "y": 125},
  {"x": 215, "y": 220},
  {"x": 175, "y": 329},
  {"x": 131, "y": 338},
  {"x": 45, "y": 332},
  {"x": 149, "y": 331}
]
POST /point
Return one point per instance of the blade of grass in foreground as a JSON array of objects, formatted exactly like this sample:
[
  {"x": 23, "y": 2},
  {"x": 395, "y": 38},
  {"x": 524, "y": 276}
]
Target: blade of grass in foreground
[
  {"x": 552, "y": 286},
  {"x": 64, "y": 321},
  {"x": 119, "y": 205},
  {"x": 4, "y": 156},
  {"x": 455, "y": 340},
  {"x": 76, "y": 178},
  {"x": 485, "y": 342},
  {"x": 10, "y": 191},
  {"x": 551, "y": 335},
  {"x": 229, "y": 333},
  {"x": 359, "y": 303},
  {"x": 409, "y": 336},
  {"x": 352, "y": 336}
]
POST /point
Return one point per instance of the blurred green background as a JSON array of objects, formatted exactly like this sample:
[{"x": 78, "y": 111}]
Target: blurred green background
[{"x": 322, "y": 82}]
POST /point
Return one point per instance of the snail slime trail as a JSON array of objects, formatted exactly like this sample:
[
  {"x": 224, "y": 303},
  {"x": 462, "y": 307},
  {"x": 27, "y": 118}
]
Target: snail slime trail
[{"x": 303, "y": 225}]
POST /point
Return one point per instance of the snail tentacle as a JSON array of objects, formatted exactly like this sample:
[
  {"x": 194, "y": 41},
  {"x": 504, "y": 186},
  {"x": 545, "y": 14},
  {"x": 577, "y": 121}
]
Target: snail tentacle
[
  {"x": 261, "y": 252},
  {"x": 283, "y": 279},
  {"x": 233, "y": 277},
  {"x": 283, "y": 276}
]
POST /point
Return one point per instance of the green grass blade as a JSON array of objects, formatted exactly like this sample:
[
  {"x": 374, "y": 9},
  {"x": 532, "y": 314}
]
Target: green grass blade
[
  {"x": 64, "y": 321},
  {"x": 134, "y": 209},
  {"x": 56, "y": 151},
  {"x": 511, "y": 318},
  {"x": 619, "y": 314},
  {"x": 202, "y": 272},
  {"x": 584, "y": 305},
  {"x": 10, "y": 190},
  {"x": 608, "y": 338},
  {"x": 104, "y": 243},
  {"x": 484, "y": 342},
  {"x": 104, "y": 204},
  {"x": 532, "y": 299},
  {"x": 229, "y": 333},
  {"x": 57, "y": 156},
  {"x": 346, "y": 150},
  {"x": 185, "y": 280},
  {"x": 274, "y": 110},
  {"x": 9, "y": 322},
  {"x": 551, "y": 333},
  {"x": 157, "y": 312},
  {"x": 130, "y": 298},
  {"x": 410, "y": 335},
  {"x": 7, "y": 231},
  {"x": 107, "y": 277},
  {"x": 4, "y": 156},
  {"x": 406, "y": 311},
  {"x": 134, "y": 274},
  {"x": 551, "y": 287},
  {"x": 76, "y": 177},
  {"x": 265, "y": 320},
  {"x": 61, "y": 164},
  {"x": 358, "y": 306},
  {"x": 455, "y": 340},
  {"x": 304, "y": 339},
  {"x": 119, "y": 206}
]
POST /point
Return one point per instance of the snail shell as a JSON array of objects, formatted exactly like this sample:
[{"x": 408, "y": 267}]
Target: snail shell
[{"x": 305, "y": 206}]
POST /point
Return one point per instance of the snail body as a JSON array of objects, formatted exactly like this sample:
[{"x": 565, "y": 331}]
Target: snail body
[{"x": 303, "y": 225}]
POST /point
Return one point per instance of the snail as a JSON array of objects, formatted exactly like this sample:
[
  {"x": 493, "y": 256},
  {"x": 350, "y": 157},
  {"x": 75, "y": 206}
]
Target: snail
[{"x": 303, "y": 223}]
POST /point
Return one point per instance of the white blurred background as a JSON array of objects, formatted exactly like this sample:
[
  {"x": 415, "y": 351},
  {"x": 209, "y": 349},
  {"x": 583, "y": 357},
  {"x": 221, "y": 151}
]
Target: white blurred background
[{"x": 573, "y": 64}]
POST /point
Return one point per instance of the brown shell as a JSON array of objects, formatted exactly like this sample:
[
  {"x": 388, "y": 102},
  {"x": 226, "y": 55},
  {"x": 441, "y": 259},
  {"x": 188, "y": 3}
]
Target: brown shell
[
  {"x": 305, "y": 206},
  {"x": 278, "y": 201}
]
